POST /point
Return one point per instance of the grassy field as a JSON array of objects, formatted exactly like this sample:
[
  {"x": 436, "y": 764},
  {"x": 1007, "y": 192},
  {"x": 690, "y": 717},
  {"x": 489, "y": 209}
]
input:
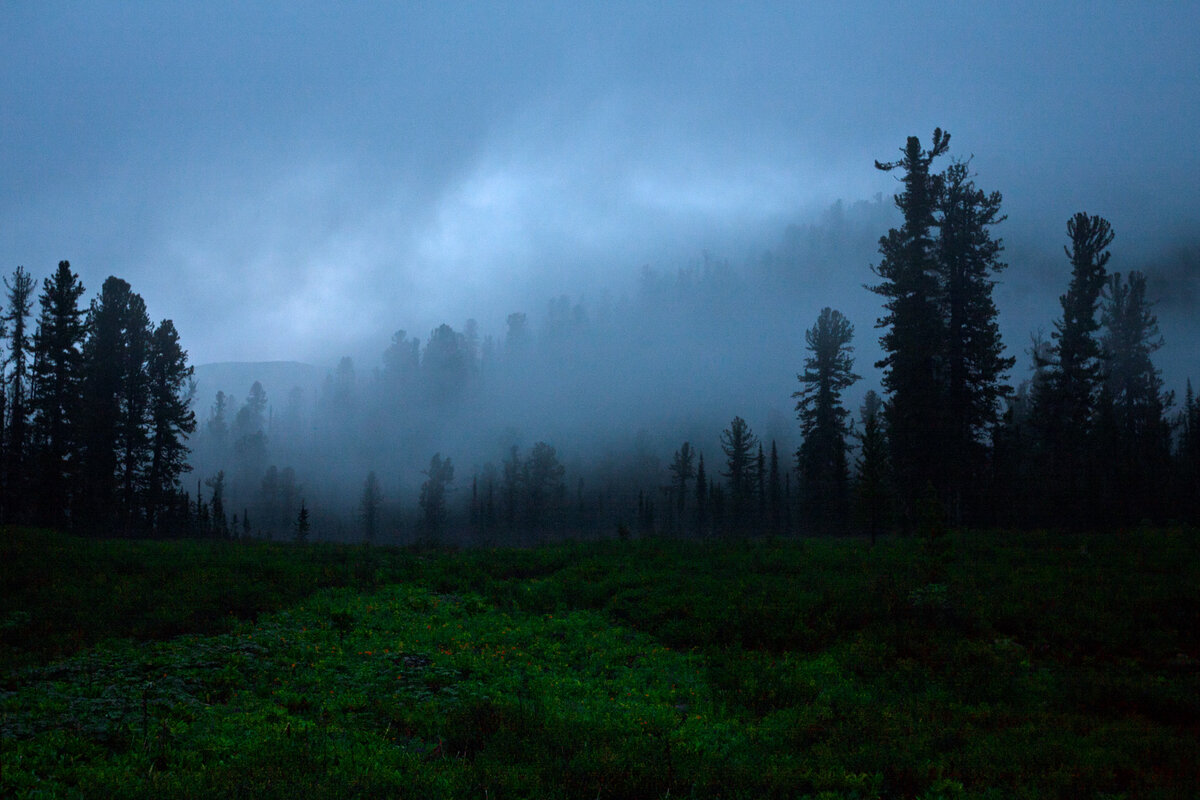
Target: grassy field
[{"x": 993, "y": 665}]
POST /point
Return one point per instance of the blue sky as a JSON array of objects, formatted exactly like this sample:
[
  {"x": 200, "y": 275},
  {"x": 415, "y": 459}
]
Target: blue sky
[{"x": 296, "y": 180}]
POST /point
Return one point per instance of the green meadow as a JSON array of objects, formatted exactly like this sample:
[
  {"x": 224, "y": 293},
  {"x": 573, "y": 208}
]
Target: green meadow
[{"x": 988, "y": 664}]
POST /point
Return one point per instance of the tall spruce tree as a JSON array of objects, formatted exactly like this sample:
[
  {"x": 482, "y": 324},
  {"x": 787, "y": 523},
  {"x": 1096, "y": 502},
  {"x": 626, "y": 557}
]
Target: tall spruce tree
[
  {"x": 57, "y": 374},
  {"x": 824, "y": 421},
  {"x": 171, "y": 423},
  {"x": 372, "y": 496},
  {"x": 701, "y": 497},
  {"x": 1065, "y": 400},
  {"x": 17, "y": 385},
  {"x": 1134, "y": 434},
  {"x": 542, "y": 481},
  {"x": 112, "y": 430},
  {"x": 872, "y": 482},
  {"x": 1188, "y": 457},
  {"x": 775, "y": 492},
  {"x": 433, "y": 493},
  {"x": 133, "y": 430},
  {"x": 974, "y": 363},
  {"x": 738, "y": 443},
  {"x": 681, "y": 473},
  {"x": 302, "y": 524},
  {"x": 914, "y": 361}
]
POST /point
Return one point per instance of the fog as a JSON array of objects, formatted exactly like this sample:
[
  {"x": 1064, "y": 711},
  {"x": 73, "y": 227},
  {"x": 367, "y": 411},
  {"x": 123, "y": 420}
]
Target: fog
[
  {"x": 615, "y": 382},
  {"x": 291, "y": 183}
]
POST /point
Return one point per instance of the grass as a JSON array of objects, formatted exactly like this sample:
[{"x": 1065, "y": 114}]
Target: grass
[{"x": 1017, "y": 665}]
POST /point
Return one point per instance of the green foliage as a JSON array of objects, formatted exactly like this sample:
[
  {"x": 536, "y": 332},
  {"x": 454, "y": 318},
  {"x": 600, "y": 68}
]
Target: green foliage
[{"x": 1041, "y": 666}]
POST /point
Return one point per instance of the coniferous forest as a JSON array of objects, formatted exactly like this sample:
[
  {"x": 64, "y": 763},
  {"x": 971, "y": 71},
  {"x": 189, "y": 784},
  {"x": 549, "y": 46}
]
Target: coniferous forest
[
  {"x": 462, "y": 438},
  {"x": 528, "y": 564}
]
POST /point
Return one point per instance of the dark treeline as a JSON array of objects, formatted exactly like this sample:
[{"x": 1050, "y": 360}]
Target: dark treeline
[
  {"x": 619, "y": 417},
  {"x": 96, "y": 410}
]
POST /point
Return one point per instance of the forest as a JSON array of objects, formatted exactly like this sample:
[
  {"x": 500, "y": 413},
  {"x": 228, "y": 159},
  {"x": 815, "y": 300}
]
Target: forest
[{"x": 612, "y": 419}]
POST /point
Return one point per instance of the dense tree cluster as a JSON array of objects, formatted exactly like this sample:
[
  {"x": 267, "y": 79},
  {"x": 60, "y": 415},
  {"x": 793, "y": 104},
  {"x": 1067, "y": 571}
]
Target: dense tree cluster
[
  {"x": 944, "y": 363},
  {"x": 96, "y": 410}
]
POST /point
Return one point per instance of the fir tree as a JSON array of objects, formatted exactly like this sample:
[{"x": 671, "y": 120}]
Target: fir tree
[
  {"x": 372, "y": 496},
  {"x": 134, "y": 422},
  {"x": 681, "y": 473},
  {"x": 302, "y": 523},
  {"x": 775, "y": 492},
  {"x": 542, "y": 481},
  {"x": 821, "y": 459},
  {"x": 220, "y": 525},
  {"x": 433, "y": 493},
  {"x": 975, "y": 365},
  {"x": 17, "y": 389},
  {"x": 1134, "y": 433},
  {"x": 913, "y": 343},
  {"x": 1188, "y": 456},
  {"x": 1065, "y": 400},
  {"x": 171, "y": 418},
  {"x": 738, "y": 443},
  {"x": 701, "y": 497},
  {"x": 57, "y": 374},
  {"x": 872, "y": 479}
]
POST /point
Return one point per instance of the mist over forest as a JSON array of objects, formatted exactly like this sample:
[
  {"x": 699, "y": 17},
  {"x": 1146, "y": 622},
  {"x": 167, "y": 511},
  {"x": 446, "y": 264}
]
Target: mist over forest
[
  {"x": 397, "y": 244},
  {"x": 614, "y": 383}
]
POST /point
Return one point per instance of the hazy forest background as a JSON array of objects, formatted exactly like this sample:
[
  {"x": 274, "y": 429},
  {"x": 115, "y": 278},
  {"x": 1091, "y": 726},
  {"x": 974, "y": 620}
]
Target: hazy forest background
[{"x": 722, "y": 397}]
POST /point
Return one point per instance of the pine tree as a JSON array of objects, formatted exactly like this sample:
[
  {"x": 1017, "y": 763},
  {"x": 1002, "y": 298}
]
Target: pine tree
[
  {"x": 1065, "y": 401},
  {"x": 250, "y": 440},
  {"x": 217, "y": 427},
  {"x": 775, "y": 493},
  {"x": 114, "y": 431},
  {"x": 372, "y": 496},
  {"x": 133, "y": 429},
  {"x": 445, "y": 366},
  {"x": 824, "y": 421},
  {"x": 57, "y": 374},
  {"x": 542, "y": 480},
  {"x": 701, "y": 497},
  {"x": 913, "y": 344},
  {"x": 433, "y": 493},
  {"x": 220, "y": 525},
  {"x": 17, "y": 389},
  {"x": 681, "y": 473},
  {"x": 1135, "y": 435},
  {"x": 1188, "y": 456},
  {"x": 760, "y": 480},
  {"x": 302, "y": 524},
  {"x": 975, "y": 365},
  {"x": 738, "y": 443},
  {"x": 171, "y": 418},
  {"x": 872, "y": 480}
]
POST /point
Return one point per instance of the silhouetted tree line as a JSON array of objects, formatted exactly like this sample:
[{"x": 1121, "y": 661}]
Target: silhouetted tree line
[
  {"x": 1089, "y": 440},
  {"x": 96, "y": 413},
  {"x": 95, "y": 410}
]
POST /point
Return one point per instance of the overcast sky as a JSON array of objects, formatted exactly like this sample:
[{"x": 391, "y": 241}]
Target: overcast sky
[{"x": 295, "y": 180}]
